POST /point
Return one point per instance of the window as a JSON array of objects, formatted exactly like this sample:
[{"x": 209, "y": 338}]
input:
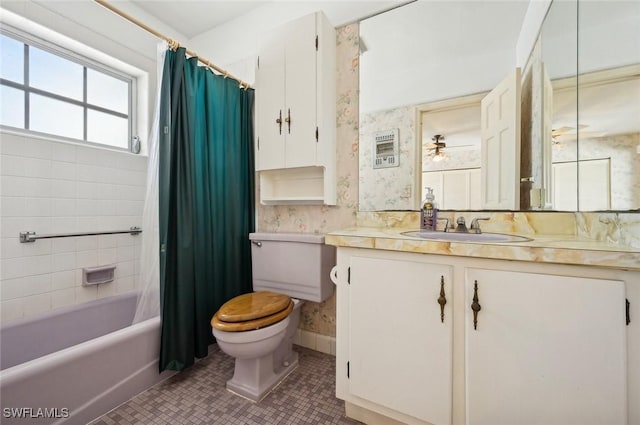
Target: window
[{"x": 48, "y": 90}]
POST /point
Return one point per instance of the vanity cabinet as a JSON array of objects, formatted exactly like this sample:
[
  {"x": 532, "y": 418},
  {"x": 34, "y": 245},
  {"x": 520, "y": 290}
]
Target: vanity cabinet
[
  {"x": 550, "y": 343},
  {"x": 400, "y": 335},
  {"x": 544, "y": 349},
  {"x": 295, "y": 113}
]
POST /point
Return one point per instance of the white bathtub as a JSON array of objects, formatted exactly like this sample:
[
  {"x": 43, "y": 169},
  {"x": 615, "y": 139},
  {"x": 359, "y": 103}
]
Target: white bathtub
[{"x": 73, "y": 365}]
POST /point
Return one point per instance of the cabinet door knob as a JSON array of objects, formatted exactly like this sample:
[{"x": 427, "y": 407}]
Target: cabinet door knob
[
  {"x": 279, "y": 122},
  {"x": 442, "y": 299},
  {"x": 475, "y": 305},
  {"x": 288, "y": 120}
]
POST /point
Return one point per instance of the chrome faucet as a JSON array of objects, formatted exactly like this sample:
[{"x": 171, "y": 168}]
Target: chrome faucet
[
  {"x": 461, "y": 226},
  {"x": 475, "y": 226}
]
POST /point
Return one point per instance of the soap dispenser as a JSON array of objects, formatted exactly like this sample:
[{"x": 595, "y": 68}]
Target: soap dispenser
[{"x": 428, "y": 211}]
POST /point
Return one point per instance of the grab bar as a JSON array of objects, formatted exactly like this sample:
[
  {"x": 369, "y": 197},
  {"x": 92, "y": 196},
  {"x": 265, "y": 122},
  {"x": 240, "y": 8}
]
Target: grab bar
[{"x": 32, "y": 237}]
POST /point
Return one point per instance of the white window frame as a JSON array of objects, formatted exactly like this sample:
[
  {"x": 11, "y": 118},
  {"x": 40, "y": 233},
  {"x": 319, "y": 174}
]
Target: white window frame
[{"x": 85, "y": 62}]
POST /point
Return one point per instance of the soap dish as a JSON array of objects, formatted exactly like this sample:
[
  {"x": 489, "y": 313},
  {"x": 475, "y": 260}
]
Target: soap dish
[{"x": 98, "y": 275}]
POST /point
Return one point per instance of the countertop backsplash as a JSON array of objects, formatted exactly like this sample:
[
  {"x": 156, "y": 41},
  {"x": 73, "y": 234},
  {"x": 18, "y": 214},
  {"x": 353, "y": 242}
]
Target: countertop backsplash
[{"x": 620, "y": 229}]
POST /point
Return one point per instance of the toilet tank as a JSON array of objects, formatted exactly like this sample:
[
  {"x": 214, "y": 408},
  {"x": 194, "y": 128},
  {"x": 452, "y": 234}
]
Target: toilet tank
[{"x": 295, "y": 264}]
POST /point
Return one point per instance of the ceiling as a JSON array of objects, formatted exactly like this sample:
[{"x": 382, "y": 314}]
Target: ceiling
[{"x": 193, "y": 18}]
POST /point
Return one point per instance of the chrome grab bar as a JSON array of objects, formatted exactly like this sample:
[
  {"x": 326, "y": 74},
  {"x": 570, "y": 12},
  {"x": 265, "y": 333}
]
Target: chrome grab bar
[{"x": 32, "y": 237}]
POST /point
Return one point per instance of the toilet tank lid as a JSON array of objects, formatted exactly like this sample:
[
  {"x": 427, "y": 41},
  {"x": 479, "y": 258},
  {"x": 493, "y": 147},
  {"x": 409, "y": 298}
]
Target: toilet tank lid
[{"x": 288, "y": 237}]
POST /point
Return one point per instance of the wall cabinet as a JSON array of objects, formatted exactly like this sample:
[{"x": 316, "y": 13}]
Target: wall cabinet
[
  {"x": 295, "y": 97},
  {"x": 549, "y": 343}
]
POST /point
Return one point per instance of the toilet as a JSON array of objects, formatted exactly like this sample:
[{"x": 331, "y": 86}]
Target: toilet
[{"x": 258, "y": 328}]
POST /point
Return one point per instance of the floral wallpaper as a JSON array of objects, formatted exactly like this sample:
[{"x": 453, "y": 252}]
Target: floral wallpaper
[
  {"x": 320, "y": 317},
  {"x": 388, "y": 188}
]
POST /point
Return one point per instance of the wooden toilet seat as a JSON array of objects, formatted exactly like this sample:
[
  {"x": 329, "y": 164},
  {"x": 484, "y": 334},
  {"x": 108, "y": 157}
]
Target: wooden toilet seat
[{"x": 252, "y": 311}]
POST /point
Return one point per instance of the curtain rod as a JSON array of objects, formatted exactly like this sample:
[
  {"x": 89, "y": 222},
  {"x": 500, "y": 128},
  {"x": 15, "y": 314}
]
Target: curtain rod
[{"x": 173, "y": 44}]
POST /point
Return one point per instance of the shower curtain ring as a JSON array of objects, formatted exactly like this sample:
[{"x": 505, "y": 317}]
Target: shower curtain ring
[{"x": 173, "y": 44}]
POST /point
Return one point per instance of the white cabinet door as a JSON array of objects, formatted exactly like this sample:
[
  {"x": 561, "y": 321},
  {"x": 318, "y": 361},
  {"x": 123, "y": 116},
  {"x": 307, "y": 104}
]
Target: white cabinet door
[
  {"x": 500, "y": 146},
  {"x": 300, "y": 92},
  {"x": 400, "y": 347},
  {"x": 547, "y": 350},
  {"x": 270, "y": 102},
  {"x": 286, "y": 96}
]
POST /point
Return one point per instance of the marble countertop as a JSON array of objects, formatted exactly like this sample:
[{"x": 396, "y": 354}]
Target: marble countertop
[{"x": 559, "y": 249}]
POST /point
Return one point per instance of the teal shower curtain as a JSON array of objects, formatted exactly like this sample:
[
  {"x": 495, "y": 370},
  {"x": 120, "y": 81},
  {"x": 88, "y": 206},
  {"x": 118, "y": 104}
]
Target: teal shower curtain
[{"x": 206, "y": 203}]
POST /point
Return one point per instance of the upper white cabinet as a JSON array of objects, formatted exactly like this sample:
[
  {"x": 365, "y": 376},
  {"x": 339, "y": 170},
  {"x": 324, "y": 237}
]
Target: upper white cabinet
[{"x": 296, "y": 112}]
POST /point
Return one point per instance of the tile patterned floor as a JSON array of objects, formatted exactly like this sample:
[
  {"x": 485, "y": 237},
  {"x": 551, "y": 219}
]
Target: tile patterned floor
[{"x": 198, "y": 396}]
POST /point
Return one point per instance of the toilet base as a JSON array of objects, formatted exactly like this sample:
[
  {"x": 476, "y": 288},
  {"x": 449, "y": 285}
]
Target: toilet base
[{"x": 255, "y": 378}]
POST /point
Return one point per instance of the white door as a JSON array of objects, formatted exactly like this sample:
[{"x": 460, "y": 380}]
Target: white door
[
  {"x": 433, "y": 179},
  {"x": 399, "y": 343},
  {"x": 475, "y": 189},
  {"x": 455, "y": 192},
  {"x": 301, "y": 105},
  {"x": 590, "y": 178},
  {"x": 547, "y": 350},
  {"x": 454, "y": 189},
  {"x": 594, "y": 184},
  {"x": 270, "y": 102},
  {"x": 565, "y": 186},
  {"x": 500, "y": 127}
]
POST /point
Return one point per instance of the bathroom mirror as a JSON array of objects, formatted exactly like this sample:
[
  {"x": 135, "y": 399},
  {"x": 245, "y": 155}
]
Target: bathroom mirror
[
  {"x": 593, "y": 114},
  {"x": 557, "y": 150}
]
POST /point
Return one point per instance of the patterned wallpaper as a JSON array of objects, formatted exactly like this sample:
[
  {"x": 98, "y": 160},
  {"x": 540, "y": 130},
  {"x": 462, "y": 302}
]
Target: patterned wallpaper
[
  {"x": 320, "y": 317},
  {"x": 388, "y": 188}
]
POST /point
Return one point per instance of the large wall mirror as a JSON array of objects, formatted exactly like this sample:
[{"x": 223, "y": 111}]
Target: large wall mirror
[{"x": 425, "y": 67}]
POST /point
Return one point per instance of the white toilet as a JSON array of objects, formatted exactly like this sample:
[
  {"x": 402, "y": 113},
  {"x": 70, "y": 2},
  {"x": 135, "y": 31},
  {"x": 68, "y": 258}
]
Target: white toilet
[{"x": 257, "y": 329}]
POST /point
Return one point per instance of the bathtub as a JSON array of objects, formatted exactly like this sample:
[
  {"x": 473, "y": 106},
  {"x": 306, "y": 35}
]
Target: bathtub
[{"x": 74, "y": 364}]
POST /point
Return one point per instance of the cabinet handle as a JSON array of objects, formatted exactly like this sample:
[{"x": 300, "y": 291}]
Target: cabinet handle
[
  {"x": 442, "y": 300},
  {"x": 475, "y": 305},
  {"x": 288, "y": 120},
  {"x": 279, "y": 122}
]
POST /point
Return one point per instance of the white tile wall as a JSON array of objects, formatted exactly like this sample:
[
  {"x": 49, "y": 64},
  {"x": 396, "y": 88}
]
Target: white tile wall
[{"x": 56, "y": 187}]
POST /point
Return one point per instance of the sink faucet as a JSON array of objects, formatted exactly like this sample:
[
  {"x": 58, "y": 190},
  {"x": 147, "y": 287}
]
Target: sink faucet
[
  {"x": 461, "y": 226},
  {"x": 475, "y": 226}
]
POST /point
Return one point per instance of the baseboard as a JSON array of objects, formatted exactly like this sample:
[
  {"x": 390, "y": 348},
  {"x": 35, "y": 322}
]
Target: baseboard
[{"x": 315, "y": 341}]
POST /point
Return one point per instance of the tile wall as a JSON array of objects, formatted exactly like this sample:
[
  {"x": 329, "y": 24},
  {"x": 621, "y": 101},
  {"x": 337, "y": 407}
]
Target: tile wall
[{"x": 54, "y": 187}]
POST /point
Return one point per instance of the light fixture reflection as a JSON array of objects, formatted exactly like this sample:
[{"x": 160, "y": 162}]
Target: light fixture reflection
[{"x": 437, "y": 155}]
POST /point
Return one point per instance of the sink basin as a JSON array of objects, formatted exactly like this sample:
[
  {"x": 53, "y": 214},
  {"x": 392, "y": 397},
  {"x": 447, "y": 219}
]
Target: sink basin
[{"x": 466, "y": 237}]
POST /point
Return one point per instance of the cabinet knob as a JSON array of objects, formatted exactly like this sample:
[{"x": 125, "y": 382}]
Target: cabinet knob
[
  {"x": 442, "y": 299},
  {"x": 475, "y": 305},
  {"x": 279, "y": 122}
]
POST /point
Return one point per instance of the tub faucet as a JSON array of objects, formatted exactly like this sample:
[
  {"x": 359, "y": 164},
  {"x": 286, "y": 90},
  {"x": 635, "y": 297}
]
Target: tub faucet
[{"x": 475, "y": 226}]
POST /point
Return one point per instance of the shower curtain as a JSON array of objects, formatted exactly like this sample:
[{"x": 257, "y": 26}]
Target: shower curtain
[
  {"x": 206, "y": 203},
  {"x": 148, "y": 265}
]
